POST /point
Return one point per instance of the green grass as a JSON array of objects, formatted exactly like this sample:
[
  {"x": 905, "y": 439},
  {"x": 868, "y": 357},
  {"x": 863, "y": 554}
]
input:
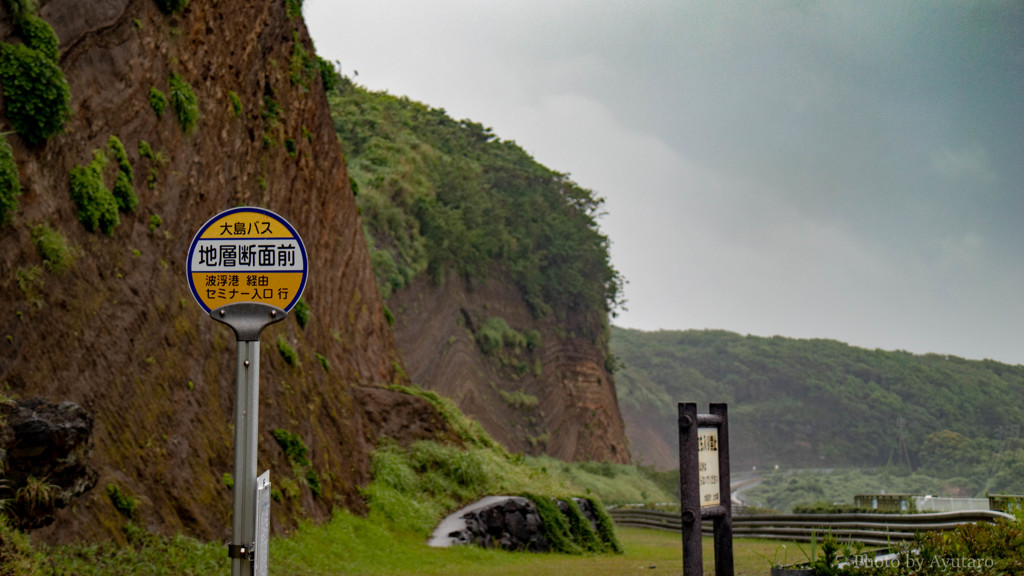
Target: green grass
[
  {"x": 236, "y": 103},
  {"x": 519, "y": 399},
  {"x": 39, "y": 35},
  {"x": 146, "y": 554},
  {"x": 495, "y": 334},
  {"x": 350, "y": 545},
  {"x": 124, "y": 191},
  {"x": 612, "y": 483},
  {"x": 414, "y": 488},
  {"x": 468, "y": 430}
]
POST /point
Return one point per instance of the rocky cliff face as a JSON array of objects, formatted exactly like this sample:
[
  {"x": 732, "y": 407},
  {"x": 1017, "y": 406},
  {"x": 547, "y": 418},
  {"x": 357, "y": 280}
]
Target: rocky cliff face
[
  {"x": 118, "y": 332},
  {"x": 553, "y": 395}
]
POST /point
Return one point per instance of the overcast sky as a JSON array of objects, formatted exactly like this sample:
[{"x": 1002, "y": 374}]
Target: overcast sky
[{"x": 844, "y": 170}]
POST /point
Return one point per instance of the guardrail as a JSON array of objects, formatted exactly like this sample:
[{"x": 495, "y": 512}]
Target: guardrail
[{"x": 874, "y": 529}]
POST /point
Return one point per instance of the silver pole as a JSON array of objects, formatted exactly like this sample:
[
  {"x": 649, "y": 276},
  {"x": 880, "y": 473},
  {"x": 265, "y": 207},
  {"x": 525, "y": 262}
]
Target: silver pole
[
  {"x": 247, "y": 319},
  {"x": 243, "y": 523}
]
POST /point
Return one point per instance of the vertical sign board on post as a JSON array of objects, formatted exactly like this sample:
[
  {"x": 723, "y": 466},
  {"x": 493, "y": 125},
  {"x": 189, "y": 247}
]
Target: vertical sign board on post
[
  {"x": 707, "y": 459},
  {"x": 247, "y": 268},
  {"x": 704, "y": 486}
]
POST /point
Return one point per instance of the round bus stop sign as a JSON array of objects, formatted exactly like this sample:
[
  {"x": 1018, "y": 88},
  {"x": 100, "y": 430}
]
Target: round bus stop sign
[{"x": 247, "y": 255}]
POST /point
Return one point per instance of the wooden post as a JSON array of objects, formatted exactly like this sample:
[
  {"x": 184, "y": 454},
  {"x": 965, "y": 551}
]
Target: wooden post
[
  {"x": 689, "y": 490},
  {"x": 723, "y": 523},
  {"x": 718, "y": 509}
]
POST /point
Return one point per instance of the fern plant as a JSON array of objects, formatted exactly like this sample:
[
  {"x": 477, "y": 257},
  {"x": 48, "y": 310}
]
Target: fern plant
[{"x": 186, "y": 106}]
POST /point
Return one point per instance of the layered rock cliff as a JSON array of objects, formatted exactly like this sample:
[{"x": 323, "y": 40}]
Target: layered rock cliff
[
  {"x": 555, "y": 398},
  {"x": 115, "y": 329}
]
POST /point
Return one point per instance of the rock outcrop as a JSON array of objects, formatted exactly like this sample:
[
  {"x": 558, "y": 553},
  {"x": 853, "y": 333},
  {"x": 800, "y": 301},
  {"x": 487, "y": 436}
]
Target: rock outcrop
[{"x": 44, "y": 458}]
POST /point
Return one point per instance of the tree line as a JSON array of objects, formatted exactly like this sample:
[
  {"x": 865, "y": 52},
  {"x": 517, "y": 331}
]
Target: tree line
[{"x": 823, "y": 403}]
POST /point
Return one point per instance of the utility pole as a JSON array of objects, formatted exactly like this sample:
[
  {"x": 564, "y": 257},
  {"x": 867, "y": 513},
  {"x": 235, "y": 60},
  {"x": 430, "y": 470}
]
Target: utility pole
[{"x": 901, "y": 425}]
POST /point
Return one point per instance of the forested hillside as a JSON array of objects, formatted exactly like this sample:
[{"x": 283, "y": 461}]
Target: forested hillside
[
  {"x": 493, "y": 269},
  {"x": 822, "y": 403},
  {"x": 438, "y": 195}
]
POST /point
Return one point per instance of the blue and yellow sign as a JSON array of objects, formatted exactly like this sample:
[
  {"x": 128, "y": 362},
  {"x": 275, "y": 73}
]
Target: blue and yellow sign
[{"x": 247, "y": 255}]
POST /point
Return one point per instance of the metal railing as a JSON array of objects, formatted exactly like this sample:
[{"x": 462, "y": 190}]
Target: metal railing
[{"x": 874, "y": 529}]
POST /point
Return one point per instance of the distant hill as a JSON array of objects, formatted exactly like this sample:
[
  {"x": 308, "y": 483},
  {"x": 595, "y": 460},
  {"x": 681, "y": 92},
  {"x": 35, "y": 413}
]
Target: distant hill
[{"x": 822, "y": 403}]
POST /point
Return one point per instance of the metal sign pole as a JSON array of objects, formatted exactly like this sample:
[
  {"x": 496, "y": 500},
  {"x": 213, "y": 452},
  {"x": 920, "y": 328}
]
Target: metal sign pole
[
  {"x": 247, "y": 267},
  {"x": 247, "y": 320},
  {"x": 243, "y": 525}
]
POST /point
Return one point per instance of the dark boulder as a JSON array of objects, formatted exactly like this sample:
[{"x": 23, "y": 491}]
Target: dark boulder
[
  {"x": 44, "y": 458},
  {"x": 514, "y": 523},
  {"x": 506, "y": 522}
]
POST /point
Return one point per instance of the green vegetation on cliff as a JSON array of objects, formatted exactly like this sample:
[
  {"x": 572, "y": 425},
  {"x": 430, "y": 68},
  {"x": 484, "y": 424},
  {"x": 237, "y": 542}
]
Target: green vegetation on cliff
[
  {"x": 35, "y": 91},
  {"x": 439, "y": 195},
  {"x": 10, "y": 184},
  {"x": 815, "y": 403}
]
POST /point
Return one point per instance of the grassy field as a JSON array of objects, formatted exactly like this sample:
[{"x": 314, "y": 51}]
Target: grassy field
[
  {"x": 353, "y": 546},
  {"x": 348, "y": 547}
]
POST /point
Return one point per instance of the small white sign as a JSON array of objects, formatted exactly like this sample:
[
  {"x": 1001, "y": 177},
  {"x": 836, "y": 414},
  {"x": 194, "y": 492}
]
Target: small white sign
[
  {"x": 707, "y": 457},
  {"x": 261, "y": 558}
]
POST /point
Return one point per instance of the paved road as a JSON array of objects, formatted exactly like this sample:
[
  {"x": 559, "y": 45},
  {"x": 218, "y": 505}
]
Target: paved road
[{"x": 741, "y": 485}]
